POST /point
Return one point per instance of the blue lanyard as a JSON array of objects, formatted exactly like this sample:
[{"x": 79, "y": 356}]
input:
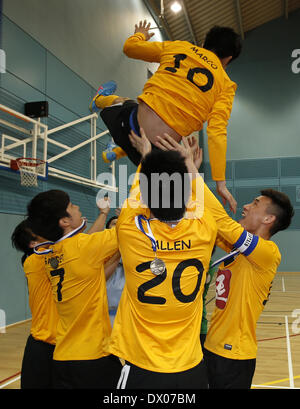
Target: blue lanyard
[
  {"x": 47, "y": 251},
  {"x": 224, "y": 258}
]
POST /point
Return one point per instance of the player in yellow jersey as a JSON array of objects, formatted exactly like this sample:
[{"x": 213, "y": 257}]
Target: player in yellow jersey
[
  {"x": 165, "y": 257},
  {"x": 190, "y": 87},
  {"x": 36, "y": 372},
  {"x": 243, "y": 282},
  {"x": 74, "y": 263}
]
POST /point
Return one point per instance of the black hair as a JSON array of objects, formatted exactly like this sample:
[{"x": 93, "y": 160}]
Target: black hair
[
  {"x": 21, "y": 238},
  {"x": 44, "y": 212},
  {"x": 110, "y": 220},
  {"x": 281, "y": 208},
  {"x": 165, "y": 184},
  {"x": 224, "y": 42}
]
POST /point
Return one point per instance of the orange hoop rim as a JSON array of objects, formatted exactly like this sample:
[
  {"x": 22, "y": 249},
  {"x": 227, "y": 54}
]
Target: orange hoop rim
[{"x": 26, "y": 162}]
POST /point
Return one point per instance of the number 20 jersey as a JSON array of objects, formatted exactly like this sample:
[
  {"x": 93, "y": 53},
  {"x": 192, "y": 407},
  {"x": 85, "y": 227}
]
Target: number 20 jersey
[
  {"x": 157, "y": 326},
  {"x": 189, "y": 88}
]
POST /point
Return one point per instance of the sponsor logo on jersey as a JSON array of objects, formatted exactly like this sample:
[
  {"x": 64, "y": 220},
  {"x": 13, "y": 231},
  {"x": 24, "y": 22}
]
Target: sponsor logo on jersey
[{"x": 222, "y": 288}]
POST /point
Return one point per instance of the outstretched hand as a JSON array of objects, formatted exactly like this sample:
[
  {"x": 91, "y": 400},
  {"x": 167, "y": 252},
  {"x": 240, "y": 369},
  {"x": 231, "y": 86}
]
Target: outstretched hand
[
  {"x": 189, "y": 149},
  {"x": 226, "y": 195},
  {"x": 192, "y": 153},
  {"x": 140, "y": 143},
  {"x": 144, "y": 28}
]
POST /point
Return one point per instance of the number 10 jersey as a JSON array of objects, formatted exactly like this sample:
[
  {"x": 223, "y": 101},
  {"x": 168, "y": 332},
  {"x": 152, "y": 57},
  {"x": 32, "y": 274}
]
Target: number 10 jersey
[{"x": 189, "y": 88}]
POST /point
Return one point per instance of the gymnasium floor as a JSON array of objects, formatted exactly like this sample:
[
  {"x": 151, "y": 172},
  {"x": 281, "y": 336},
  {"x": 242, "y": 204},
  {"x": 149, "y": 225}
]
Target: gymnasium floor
[{"x": 278, "y": 335}]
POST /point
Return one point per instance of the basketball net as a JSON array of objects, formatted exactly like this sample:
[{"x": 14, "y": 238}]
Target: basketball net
[{"x": 29, "y": 169}]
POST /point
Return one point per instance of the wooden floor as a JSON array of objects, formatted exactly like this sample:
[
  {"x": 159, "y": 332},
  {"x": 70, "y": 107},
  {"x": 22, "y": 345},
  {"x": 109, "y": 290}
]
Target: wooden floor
[{"x": 278, "y": 335}]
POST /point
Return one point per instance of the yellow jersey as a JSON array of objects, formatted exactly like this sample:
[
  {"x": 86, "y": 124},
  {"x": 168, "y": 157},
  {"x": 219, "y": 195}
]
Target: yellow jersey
[
  {"x": 75, "y": 269},
  {"x": 157, "y": 325},
  {"x": 41, "y": 302},
  {"x": 242, "y": 286},
  {"x": 189, "y": 88}
]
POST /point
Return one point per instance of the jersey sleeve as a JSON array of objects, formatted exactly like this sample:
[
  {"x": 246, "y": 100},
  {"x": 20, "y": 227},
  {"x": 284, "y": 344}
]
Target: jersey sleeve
[
  {"x": 265, "y": 254},
  {"x": 228, "y": 229},
  {"x": 195, "y": 205},
  {"x": 137, "y": 47},
  {"x": 217, "y": 132},
  {"x": 134, "y": 200},
  {"x": 99, "y": 246},
  {"x": 33, "y": 266},
  {"x": 259, "y": 251},
  {"x": 223, "y": 244}
]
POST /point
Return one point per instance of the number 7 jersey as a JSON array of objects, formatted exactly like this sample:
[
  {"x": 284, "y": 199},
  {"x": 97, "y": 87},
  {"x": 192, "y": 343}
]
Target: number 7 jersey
[
  {"x": 157, "y": 326},
  {"x": 75, "y": 268},
  {"x": 189, "y": 88}
]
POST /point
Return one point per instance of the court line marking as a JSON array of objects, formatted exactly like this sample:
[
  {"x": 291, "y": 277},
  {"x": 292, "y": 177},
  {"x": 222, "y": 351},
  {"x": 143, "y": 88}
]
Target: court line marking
[
  {"x": 279, "y": 380},
  {"x": 288, "y": 345},
  {"x": 283, "y": 286},
  {"x": 271, "y": 339},
  {"x": 272, "y": 386},
  {"x": 9, "y": 377},
  {"x": 11, "y": 381}
]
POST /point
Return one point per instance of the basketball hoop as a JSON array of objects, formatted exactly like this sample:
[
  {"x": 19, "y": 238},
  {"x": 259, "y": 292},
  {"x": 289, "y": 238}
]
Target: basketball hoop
[{"x": 29, "y": 169}]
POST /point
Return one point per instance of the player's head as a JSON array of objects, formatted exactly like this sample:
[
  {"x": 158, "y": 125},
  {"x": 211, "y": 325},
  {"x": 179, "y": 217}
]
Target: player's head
[
  {"x": 51, "y": 214},
  {"x": 224, "y": 42},
  {"x": 23, "y": 239},
  {"x": 165, "y": 184},
  {"x": 111, "y": 222},
  {"x": 272, "y": 211}
]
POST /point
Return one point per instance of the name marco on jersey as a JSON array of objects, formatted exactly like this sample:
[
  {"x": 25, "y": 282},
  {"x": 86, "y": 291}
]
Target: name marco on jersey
[
  {"x": 176, "y": 245},
  {"x": 204, "y": 58}
]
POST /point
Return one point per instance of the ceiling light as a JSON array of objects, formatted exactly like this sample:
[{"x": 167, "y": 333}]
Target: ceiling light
[{"x": 176, "y": 7}]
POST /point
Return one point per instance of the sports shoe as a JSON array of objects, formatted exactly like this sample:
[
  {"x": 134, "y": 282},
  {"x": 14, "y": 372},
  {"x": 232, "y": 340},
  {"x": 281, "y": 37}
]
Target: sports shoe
[
  {"x": 112, "y": 152},
  {"x": 108, "y": 88}
]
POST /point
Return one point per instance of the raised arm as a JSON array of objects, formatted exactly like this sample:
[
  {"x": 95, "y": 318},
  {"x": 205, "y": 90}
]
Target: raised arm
[
  {"x": 217, "y": 142},
  {"x": 98, "y": 225},
  {"x": 138, "y": 47}
]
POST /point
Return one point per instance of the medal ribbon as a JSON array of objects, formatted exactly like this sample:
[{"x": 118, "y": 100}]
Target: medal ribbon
[
  {"x": 138, "y": 222},
  {"x": 70, "y": 234}
]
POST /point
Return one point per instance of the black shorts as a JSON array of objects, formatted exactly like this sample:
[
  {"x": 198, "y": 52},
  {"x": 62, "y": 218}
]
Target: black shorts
[
  {"x": 102, "y": 373},
  {"x": 133, "y": 377},
  {"x": 120, "y": 120},
  {"x": 225, "y": 373},
  {"x": 37, "y": 365}
]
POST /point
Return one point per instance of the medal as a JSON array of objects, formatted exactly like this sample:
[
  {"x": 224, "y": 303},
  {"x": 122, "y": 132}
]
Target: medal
[
  {"x": 54, "y": 262},
  {"x": 157, "y": 266}
]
